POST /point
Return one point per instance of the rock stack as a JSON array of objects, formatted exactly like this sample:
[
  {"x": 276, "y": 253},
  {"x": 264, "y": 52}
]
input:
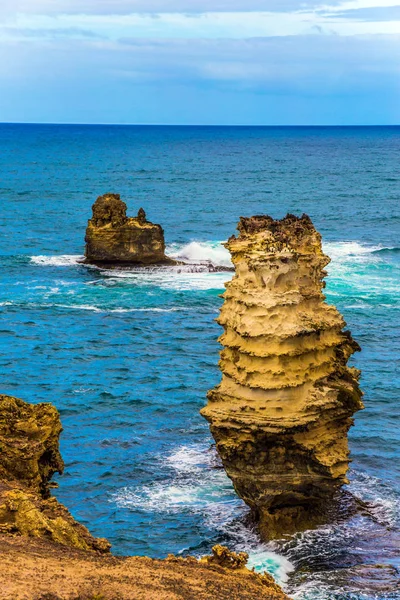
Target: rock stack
[
  {"x": 281, "y": 414},
  {"x": 114, "y": 239}
]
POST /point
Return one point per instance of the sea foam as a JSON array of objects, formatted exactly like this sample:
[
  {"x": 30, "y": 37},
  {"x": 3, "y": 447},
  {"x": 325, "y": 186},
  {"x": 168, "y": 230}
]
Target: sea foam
[
  {"x": 201, "y": 252},
  {"x": 355, "y": 264},
  {"x": 63, "y": 260},
  {"x": 214, "y": 253},
  {"x": 197, "y": 486}
]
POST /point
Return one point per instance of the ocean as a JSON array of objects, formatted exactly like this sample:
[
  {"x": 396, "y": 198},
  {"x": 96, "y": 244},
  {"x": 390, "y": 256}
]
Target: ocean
[{"x": 127, "y": 357}]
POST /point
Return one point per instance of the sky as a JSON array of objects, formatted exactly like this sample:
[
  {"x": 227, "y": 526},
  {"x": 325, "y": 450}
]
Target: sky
[{"x": 216, "y": 62}]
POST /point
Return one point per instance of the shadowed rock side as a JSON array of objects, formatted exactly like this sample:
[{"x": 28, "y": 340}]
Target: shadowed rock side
[
  {"x": 46, "y": 555},
  {"x": 112, "y": 238},
  {"x": 281, "y": 414},
  {"x": 29, "y": 457}
]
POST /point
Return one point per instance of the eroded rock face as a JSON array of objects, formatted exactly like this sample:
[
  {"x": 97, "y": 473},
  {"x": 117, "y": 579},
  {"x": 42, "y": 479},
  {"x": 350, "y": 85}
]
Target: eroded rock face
[
  {"x": 281, "y": 414},
  {"x": 29, "y": 443},
  {"x": 115, "y": 239},
  {"x": 45, "y": 553},
  {"x": 29, "y": 457}
]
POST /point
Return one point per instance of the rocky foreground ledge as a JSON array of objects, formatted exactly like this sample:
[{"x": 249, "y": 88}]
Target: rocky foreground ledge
[
  {"x": 281, "y": 414},
  {"x": 46, "y": 555}
]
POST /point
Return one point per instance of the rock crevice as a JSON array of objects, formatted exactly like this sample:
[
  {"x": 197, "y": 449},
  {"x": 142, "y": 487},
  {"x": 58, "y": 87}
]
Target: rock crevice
[{"x": 281, "y": 414}]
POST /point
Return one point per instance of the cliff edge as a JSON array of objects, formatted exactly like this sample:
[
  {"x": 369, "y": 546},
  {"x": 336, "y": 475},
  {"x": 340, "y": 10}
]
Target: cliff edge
[
  {"x": 281, "y": 414},
  {"x": 46, "y": 555},
  {"x": 29, "y": 457}
]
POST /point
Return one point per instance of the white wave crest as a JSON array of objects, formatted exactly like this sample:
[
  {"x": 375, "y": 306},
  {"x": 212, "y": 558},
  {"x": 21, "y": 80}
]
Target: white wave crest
[
  {"x": 201, "y": 252},
  {"x": 195, "y": 252},
  {"x": 93, "y": 308},
  {"x": 382, "y": 498},
  {"x": 350, "y": 265},
  {"x": 265, "y": 560},
  {"x": 63, "y": 260},
  {"x": 191, "y": 459},
  {"x": 199, "y": 488},
  {"x": 198, "y": 252},
  {"x": 161, "y": 497},
  {"x": 172, "y": 278},
  {"x": 360, "y": 271},
  {"x": 344, "y": 251}
]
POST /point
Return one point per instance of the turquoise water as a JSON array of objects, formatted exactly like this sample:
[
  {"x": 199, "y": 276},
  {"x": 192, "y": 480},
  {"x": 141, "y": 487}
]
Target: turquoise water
[{"x": 127, "y": 357}]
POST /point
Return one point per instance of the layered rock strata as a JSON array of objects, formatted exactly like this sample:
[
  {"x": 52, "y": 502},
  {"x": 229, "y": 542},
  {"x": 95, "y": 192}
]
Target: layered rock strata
[
  {"x": 281, "y": 414},
  {"x": 112, "y": 238}
]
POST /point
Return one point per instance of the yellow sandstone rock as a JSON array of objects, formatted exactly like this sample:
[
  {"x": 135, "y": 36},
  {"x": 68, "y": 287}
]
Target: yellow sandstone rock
[
  {"x": 281, "y": 414},
  {"x": 29, "y": 457},
  {"x": 114, "y": 239},
  {"x": 45, "y": 553}
]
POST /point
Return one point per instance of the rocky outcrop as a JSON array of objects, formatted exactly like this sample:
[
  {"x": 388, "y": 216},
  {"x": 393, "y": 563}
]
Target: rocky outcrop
[
  {"x": 29, "y": 443},
  {"x": 42, "y": 570},
  {"x": 281, "y": 414},
  {"x": 112, "y": 238},
  {"x": 29, "y": 457},
  {"x": 46, "y": 555}
]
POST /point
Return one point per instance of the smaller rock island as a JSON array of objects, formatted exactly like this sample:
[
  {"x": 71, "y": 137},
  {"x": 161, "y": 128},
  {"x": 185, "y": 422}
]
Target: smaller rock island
[{"x": 114, "y": 239}]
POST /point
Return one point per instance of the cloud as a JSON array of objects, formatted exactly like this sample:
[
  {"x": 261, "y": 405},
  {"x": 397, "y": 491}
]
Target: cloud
[
  {"x": 280, "y": 80},
  {"x": 303, "y": 63},
  {"x": 270, "y": 63},
  {"x": 38, "y": 33},
  {"x": 207, "y": 25},
  {"x": 313, "y": 62},
  {"x": 376, "y": 13},
  {"x": 155, "y": 6}
]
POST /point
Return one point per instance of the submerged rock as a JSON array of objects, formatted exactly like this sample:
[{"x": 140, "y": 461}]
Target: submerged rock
[
  {"x": 281, "y": 414},
  {"x": 112, "y": 238}
]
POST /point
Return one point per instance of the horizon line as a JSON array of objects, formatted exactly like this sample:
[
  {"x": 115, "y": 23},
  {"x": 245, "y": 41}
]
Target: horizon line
[{"x": 109, "y": 124}]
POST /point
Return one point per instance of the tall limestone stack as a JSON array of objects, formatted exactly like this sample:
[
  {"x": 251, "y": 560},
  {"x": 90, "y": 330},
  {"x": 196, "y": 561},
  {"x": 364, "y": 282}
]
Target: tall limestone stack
[
  {"x": 281, "y": 414},
  {"x": 112, "y": 238}
]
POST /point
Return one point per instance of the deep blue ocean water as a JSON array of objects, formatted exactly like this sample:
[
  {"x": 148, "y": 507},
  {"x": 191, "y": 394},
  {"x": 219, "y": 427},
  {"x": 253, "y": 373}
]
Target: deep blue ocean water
[{"x": 127, "y": 357}]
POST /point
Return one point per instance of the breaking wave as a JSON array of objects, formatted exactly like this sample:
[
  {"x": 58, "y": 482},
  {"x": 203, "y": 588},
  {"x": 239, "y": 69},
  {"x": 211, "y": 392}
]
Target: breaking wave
[
  {"x": 214, "y": 253},
  {"x": 365, "y": 270},
  {"x": 199, "y": 485},
  {"x": 92, "y": 307},
  {"x": 63, "y": 260},
  {"x": 201, "y": 252}
]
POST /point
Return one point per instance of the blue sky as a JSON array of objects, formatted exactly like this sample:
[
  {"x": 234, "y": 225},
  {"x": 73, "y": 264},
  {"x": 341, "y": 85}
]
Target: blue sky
[{"x": 266, "y": 62}]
